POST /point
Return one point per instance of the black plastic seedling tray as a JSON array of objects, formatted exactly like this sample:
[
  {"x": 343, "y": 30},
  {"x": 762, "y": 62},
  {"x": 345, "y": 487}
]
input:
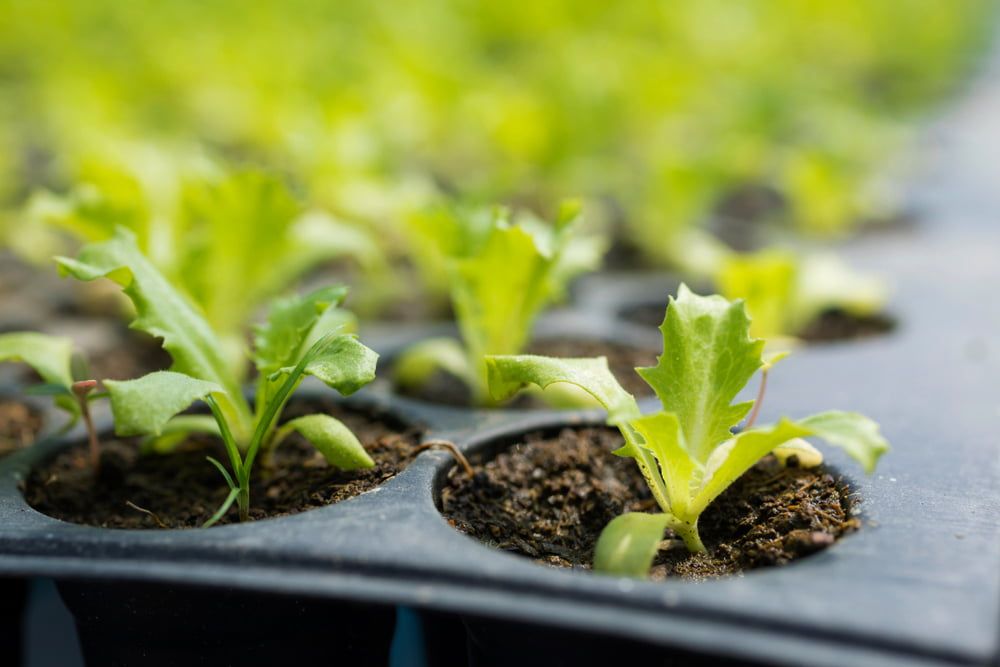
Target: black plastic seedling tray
[{"x": 919, "y": 584}]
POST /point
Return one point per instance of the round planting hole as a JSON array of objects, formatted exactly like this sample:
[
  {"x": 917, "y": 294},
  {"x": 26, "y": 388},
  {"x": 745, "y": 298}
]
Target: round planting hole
[
  {"x": 548, "y": 495},
  {"x": 181, "y": 489}
]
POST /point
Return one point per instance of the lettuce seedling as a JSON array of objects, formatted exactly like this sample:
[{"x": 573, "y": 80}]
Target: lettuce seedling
[
  {"x": 502, "y": 272},
  {"x": 785, "y": 292},
  {"x": 52, "y": 358},
  {"x": 228, "y": 239},
  {"x": 687, "y": 452},
  {"x": 296, "y": 340}
]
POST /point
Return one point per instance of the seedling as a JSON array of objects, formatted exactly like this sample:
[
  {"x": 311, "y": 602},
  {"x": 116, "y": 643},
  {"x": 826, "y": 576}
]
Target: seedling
[
  {"x": 784, "y": 292},
  {"x": 688, "y": 452},
  {"x": 52, "y": 358},
  {"x": 191, "y": 219},
  {"x": 296, "y": 340},
  {"x": 502, "y": 272}
]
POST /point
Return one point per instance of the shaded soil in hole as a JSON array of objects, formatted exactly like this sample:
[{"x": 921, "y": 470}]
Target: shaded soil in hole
[
  {"x": 446, "y": 389},
  {"x": 183, "y": 490},
  {"x": 19, "y": 424},
  {"x": 548, "y": 498},
  {"x": 832, "y": 325}
]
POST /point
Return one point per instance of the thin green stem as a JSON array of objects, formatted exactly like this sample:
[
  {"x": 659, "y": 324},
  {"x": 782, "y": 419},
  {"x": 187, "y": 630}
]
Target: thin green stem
[{"x": 688, "y": 531}]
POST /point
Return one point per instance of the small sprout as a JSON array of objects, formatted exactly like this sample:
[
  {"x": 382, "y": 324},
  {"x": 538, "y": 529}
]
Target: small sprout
[
  {"x": 53, "y": 360},
  {"x": 687, "y": 452},
  {"x": 502, "y": 271},
  {"x": 296, "y": 340},
  {"x": 785, "y": 292}
]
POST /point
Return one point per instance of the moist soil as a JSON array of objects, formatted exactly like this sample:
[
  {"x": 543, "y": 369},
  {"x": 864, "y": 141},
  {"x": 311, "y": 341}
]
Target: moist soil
[
  {"x": 19, "y": 424},
  {"x": 444, "y": 388},
  {"x": 182, "y": 490},
  {"x": 830, "y": 326},
  {"x": 548, "y": 498}
]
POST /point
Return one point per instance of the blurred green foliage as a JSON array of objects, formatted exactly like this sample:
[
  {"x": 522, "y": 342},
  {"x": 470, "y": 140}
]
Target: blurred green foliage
[{"x": 658, "y": 111}]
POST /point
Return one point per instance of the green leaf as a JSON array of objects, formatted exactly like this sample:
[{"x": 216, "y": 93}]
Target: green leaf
[
  {"x": 768, "y": 284},
  {"x": 163, "y": 312},
  {"x": 338, "y": 445},
  {"x": 145, "y": 406},
  {"x": 629, "y": 543},
  {"x": 49, "y": 356},
  {"x": 708, "y": 357},
  {"x": 418, "y": 363},
  {"x": 341, "y": 361},
  {"x": 739, "y": 454},
  {"x": 662, "y": 436},
  {"x": 279, "y": 342},
  {"x": 509, "y": 374},
  {"x": 856, "y": 434}
]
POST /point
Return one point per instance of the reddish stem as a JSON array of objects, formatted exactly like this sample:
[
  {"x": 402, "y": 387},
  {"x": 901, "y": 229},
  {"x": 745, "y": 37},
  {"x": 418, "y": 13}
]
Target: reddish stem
[
  {"x": 80, "y": 390},
  {"x": 758, "y": 401}
]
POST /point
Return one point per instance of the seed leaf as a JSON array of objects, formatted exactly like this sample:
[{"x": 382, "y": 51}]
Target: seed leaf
[
  {"x": 629, "y": 543},
  {"x": 333, "y": 439}
]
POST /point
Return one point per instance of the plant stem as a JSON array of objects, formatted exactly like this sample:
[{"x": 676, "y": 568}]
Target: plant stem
[
  {"x": 758, "y": 401},
  {"x": 243, "y": 500},
  {"x": 688, "y": 531},
  {"x": 80, "y": 391}
]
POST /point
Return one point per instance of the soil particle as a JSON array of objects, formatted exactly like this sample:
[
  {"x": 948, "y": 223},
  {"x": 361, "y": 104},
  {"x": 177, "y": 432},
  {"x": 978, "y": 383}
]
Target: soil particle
[
  {"x": 549, "y": 497},
  {"x": 444, "y": 388},
  {"x": 829, "y": 326},
  {"x": 19, "y": 424},
  {"x": 182, "y": 490}
]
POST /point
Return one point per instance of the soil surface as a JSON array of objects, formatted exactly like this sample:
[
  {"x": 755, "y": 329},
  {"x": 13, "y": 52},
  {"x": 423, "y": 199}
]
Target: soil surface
[
  {"x": 549, "y": 497},
  {"x": 444, "y": 388},
  {"x": 830, "y": 326},
  {"x": 19, "y": 424},
  {"x": 182, "y": 489}
]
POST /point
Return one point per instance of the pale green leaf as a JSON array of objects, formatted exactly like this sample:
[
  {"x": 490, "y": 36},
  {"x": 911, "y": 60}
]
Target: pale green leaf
[
  {"x": 662, "y": 435},
  {"x": 708, "y": 357},
  {"x": 340, "y": 361},
  {"x": 418, "y": 363},
  {"x": 508, "y": 374},
  {"x": 856, "y": 434},
  {"x": 280, "y": 340},
  {"x": 51, "y": 357},
  {"x": 163, "y": 312},
  {"x": 739, "y": 454},
  {"x": 146, "y": 405},
  {"x": 629, "y": 543},
  {"x": 338, "y": 445}
]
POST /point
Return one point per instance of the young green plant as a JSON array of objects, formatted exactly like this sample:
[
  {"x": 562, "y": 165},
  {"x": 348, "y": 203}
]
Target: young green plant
[
  {"x": 784, "y": 292},
  {"x": 52, "y": 358},
  {"x": 295, "y": 341},
  {"x": 687, "y": 452},
  {"x": 502, "y": 272}
]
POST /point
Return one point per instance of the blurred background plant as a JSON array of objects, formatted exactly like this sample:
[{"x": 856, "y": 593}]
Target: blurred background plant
[{"x": 681, "y": 125}]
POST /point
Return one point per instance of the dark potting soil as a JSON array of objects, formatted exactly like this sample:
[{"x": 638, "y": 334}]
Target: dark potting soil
[
  {"x": 830, "y": 326},
  {"x": 549, "y": 497},
  {"x": 444, "y": 388},
  {"x": 182, "y": 490},
  {"x": 19, "y": 424}
]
